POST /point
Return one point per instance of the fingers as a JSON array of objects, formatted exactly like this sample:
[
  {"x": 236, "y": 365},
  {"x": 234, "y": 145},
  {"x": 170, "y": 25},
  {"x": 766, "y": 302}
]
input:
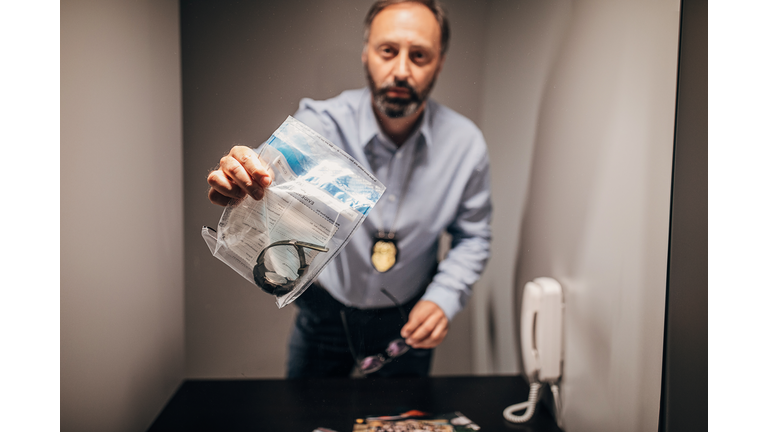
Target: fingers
[
  {"x": 244, "y": 167},
  {"x": 240, "y": 172},
  {"x": 427, "y": 326},
  {"x": 219, "y": 199},
  {"x": 222, "y": 190},
  {"x": 434, "y": 338},
  {"x": 419, "y": 313},
  {"x": 430, "y": 333},
  {"x": 412, "y": 324}
]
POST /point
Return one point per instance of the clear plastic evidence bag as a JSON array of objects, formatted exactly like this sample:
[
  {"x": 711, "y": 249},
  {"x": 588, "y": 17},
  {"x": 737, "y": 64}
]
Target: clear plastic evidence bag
[{"x": 318, "y": 197}]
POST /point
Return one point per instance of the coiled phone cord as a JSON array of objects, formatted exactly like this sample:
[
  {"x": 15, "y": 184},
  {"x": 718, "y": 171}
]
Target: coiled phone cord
[{"x": 529, "y": 406}]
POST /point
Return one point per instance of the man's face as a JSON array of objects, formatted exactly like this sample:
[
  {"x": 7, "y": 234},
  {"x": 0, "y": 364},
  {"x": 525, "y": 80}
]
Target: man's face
[{"x": 402, "y": 58}]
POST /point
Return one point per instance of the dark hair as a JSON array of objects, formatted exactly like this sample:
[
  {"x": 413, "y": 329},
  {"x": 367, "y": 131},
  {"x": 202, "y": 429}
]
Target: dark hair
[{"x": 436, "y": 8}]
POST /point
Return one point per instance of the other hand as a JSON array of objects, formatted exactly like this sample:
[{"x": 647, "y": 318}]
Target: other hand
[
  {"x": 426, "y": 327},
  {"x": 240, "y": 173}
]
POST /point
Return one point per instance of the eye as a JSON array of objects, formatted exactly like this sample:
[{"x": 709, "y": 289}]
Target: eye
[
  {"x": 387, "y": 51},
  {"x": 419, "y": 57}
]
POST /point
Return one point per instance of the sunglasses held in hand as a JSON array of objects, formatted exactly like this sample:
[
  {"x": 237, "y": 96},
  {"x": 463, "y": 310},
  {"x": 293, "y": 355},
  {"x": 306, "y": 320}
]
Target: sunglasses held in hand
[{"x": 395, "y": 348}]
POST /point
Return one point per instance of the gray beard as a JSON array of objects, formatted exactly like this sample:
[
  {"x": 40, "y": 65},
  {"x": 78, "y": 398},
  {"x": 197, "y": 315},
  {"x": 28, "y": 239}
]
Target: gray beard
[{"x": 397, "y": 107}]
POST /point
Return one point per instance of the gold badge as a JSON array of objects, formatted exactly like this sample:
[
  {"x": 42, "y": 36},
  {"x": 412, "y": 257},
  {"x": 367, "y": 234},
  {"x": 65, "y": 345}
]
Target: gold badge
[{"x": 383, "y": 254}]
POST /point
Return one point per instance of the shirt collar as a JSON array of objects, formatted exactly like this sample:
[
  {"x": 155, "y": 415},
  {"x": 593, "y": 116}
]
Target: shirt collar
[{"x": 369, "y": 127}]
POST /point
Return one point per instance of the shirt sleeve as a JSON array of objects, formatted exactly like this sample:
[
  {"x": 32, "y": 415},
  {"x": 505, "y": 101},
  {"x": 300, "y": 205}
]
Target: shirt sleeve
[
  {"x": 471, "y": 245},
  {"x": 309, "y": 114}
]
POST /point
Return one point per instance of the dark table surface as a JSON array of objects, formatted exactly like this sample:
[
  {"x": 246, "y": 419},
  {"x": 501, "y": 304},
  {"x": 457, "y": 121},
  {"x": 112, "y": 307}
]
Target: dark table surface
[{"x": 305, "y": 404}]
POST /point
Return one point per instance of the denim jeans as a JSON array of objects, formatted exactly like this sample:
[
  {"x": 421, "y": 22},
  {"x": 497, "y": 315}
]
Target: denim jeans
[{"x": 318, "y": 345}]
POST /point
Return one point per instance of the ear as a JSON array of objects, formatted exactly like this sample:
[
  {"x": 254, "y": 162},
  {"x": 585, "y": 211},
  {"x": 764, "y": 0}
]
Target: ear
[{"x": 364, "y": 55}]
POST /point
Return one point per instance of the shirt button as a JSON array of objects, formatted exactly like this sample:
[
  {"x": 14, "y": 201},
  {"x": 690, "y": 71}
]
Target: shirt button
[
  {"x": 399, "y": 155},
  {"x": 392, "y": 198}
]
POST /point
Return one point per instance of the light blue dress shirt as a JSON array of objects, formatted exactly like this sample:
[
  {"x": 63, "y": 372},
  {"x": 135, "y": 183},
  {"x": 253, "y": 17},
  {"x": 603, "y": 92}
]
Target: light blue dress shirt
[{"x": 448, "y": 189}]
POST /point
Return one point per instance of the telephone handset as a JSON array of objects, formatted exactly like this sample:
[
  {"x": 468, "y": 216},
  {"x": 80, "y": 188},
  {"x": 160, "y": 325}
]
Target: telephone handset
[
  {"x": 541, "y": 339},
  {"x": 541, "y": 329}
]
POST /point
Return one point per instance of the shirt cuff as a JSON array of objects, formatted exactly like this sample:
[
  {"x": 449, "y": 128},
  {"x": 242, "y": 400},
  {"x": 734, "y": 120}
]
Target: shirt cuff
[{"x": 449, "y": 300}]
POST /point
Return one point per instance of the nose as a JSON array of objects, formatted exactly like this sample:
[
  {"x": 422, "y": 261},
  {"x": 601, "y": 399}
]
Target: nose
[{"x": 403, "y": 66}]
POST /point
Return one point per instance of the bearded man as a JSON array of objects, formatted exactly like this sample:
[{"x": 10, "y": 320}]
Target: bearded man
[{"x": 384, "y": 303}]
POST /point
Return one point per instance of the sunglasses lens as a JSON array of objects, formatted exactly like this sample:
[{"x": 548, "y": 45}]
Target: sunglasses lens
[
  {"x": 371, "y": 364},
  {"x": 397, "y": 348}
]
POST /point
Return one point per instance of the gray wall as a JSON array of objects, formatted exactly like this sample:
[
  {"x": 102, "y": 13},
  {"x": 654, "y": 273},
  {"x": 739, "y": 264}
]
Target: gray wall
[
  {"x": 122, "y": 329},
  {"x": 597, "y": 215}
]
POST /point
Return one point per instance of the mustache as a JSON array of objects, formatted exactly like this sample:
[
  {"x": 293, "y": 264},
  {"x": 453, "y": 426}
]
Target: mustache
[{"x": 399, "y": 84}]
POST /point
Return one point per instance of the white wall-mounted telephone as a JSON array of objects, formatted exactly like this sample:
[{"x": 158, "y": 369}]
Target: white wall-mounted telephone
[{"x": 541, "y": 339}]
